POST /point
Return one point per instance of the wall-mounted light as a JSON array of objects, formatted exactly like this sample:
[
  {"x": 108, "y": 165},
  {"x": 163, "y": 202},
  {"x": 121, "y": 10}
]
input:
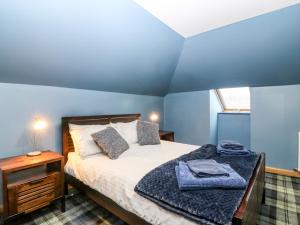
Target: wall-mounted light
[{"x": 154, "y": 117}]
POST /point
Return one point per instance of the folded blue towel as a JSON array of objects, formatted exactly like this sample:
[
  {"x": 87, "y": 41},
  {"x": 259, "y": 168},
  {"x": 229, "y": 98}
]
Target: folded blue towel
[
  {"x": 206, "y": 168},
  {"x": 229, "y": 152},
  {"x": 187, "y": 181},
  {"x": 234, "y": 145}
]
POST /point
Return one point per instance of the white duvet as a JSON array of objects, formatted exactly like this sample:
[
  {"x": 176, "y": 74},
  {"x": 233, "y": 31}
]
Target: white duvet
[{"x": 116, "y": 179}]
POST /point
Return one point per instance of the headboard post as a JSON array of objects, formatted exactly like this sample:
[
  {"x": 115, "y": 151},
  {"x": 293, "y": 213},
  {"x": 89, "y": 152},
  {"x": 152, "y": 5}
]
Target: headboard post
[{"x": 67, "y": 143}]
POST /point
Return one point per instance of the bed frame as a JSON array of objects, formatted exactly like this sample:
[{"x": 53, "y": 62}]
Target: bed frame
[{"x": 246, "y": 214}]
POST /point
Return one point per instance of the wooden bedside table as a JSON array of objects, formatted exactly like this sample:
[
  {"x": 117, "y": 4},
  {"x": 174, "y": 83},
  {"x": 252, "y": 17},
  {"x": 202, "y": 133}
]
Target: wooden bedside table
[
  {"x": 30, "y": 183},
  {"x": 166, "y": 135}
]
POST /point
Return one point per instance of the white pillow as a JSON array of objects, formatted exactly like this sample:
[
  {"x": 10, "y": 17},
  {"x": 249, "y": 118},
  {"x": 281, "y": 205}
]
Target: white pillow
[
  {"x": 128, "y": 131},
  {"x": 83, "y": 142}
]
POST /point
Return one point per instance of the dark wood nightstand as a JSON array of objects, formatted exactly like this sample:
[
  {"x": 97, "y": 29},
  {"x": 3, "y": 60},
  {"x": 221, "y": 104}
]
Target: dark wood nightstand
[
  {"x": 30, "y": 183},
  {"x": 166, "y": 135}
]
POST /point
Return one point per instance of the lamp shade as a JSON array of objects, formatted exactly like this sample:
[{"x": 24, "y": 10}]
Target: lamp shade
[
  {"x": 154, "y": 117},
  {"x": 39, "y": 124}
]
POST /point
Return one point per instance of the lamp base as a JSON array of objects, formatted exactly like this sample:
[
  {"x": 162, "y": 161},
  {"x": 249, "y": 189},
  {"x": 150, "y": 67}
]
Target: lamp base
[{"x": 34, "y": 153}]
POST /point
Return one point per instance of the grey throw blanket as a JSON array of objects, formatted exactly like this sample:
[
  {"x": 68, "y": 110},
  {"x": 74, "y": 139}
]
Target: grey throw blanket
[{"x": 211, "y": 206}]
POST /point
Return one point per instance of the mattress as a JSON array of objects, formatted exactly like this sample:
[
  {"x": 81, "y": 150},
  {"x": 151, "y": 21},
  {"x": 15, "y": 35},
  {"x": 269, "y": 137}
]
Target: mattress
[{"x": 116, "y": 179}]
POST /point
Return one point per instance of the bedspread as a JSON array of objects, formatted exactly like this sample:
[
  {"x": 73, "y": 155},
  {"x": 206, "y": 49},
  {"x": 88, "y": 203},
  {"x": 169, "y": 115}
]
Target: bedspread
[{"x": 212, "y": 206}]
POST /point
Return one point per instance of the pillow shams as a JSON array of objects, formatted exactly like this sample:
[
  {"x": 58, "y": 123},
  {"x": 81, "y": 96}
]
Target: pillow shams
[
  {"x": 128, "y": 131},
  {"x": 111, "y": 142},
  {"x": 148, "y": 133},
  {"x": 84, "y": 144}
]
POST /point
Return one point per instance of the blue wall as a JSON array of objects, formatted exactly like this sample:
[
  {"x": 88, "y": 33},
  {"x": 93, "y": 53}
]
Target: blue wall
[
  {"x": 275, "y": 119},
  {"x": 21, "y": 103},
  {"x": 215, "y": 108},
  {"x": 193, "y": 116},
  {"x": 188, "y": 115},
  {"x": 260, "y": 51},
  {"x": 107, "y": 45},
  {"x": 272, "y": 126},
  {"x": 275, "y": 123},
  {"x": 234, "y": 126}
]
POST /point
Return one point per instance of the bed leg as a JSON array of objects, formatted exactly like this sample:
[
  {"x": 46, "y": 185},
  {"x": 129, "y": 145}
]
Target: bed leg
[
  {"x": 66, "y": 190},
  {"x": 63, "y": 204},
  {"x": 263, "y": 201}
]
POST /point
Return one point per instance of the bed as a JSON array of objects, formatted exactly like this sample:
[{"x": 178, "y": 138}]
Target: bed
[{"x": 111, "y": 183}]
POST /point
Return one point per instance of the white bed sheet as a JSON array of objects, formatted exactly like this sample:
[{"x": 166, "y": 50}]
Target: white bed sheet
[{"x": 116, "y": 179}]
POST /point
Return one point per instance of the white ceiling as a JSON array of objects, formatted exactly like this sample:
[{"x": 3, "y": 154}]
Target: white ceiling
[{"x": 191, "y": 17}]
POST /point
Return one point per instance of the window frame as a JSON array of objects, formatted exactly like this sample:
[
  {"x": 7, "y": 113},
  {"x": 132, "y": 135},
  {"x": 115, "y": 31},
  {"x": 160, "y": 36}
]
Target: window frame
[{"x": 222, "y": 101}]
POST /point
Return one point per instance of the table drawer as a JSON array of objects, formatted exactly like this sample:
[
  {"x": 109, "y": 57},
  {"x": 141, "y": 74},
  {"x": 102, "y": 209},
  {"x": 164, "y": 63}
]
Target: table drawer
[
  {"x": 34, "y": 194},
  {"x": 32, "y": 185},
  {"x": 35, "y": 203}
]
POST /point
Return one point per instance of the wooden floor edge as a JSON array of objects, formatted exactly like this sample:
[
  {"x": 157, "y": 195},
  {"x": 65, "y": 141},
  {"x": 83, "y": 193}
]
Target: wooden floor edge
[{"x": 284, "y": 172}]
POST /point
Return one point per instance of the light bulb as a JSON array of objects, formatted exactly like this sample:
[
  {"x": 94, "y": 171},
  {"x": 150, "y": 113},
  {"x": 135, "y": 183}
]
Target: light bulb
[
  {"x": 154, "y": 117},
  {"x": 40, "y": 124}
]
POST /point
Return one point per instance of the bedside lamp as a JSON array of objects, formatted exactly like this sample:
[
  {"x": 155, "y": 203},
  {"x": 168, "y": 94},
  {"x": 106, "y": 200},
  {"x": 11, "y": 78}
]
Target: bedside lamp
[
  {"x": 154, "y": 117},
  {"x": 38, "y": 126}
]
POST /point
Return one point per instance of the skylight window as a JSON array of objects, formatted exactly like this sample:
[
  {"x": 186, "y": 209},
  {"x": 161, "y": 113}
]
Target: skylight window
[{"x": 235, "y": 99}]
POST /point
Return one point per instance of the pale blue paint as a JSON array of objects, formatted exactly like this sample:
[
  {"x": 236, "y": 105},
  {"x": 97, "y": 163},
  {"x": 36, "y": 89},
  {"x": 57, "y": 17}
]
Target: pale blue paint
[
  {"x": 21, "y": 103},
  {"x": 193, "y": 116},
  {"x": 234, "y": 126},
  {"x": 188, "y": 115},
  {"x": 107, "y": 45},
  {"x": 261, "y": 51},
  {"x": 116, "y": 45},
  {"x": 275, "y": 123},
  {"x": 215, "y": 108}
]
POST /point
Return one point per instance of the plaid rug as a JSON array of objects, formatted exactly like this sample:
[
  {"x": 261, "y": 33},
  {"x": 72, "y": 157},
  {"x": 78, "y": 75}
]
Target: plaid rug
[
  {"x": 282, "y": 207},
  {"x": 79, "y": 211},
  {"x": 282, "y": 201}
]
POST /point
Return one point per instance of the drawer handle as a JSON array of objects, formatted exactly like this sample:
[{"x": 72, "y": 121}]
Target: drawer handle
[{"x": 37, "y": 181}]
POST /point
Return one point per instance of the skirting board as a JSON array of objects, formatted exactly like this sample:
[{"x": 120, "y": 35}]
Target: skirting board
[{"x": 285, "y": 172}]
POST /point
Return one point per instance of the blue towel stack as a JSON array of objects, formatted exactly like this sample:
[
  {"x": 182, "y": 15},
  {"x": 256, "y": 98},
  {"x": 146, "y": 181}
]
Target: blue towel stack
[
  {"x": 232, "y": 148},
  {"x": 212, "y": 175},
  {"x": 206, "y": 168}
]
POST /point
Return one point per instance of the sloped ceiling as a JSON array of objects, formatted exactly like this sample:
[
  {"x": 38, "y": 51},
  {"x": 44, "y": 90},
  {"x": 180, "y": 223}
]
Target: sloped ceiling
[
  {"x": 262, "y": 51},
  {"x": 107, "y": 45},
  {"x": 192, "y": 17},
  {"x": 119, "y": 46}
]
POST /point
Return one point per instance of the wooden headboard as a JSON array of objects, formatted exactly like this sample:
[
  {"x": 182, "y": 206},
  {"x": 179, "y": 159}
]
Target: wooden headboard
[{"x": 67, "y": 143}]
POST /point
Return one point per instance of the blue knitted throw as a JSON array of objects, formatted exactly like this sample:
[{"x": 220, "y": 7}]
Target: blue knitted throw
[{"x": 211, "y": 206}]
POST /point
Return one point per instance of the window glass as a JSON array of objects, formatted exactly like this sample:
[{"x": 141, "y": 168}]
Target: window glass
[{"x": 235, "y": 99}]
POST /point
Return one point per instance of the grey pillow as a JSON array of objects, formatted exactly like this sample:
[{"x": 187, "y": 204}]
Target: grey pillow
[
  {"x": 148, "y": 133},
  {"x": 111, "y": 142}
]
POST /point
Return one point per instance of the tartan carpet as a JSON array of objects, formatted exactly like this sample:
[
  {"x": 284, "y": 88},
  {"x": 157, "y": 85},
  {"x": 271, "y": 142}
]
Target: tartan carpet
[
  {"x": 282, "y": 201},
  {"x": 79, "y": 211},
  {"x": 282, "y": 207}
]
